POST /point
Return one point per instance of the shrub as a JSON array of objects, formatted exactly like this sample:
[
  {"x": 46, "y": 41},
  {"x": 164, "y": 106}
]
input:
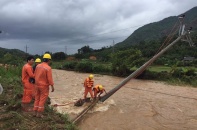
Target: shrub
[
  {"x": 99, "y": 68},
  {"x": 70, "y": 65},
  {"x": 190, "y": 72},
  {"x": 84, "y": 67},
  {"x": 121, "y": 70},
  {"x": 177, "y": 73}
]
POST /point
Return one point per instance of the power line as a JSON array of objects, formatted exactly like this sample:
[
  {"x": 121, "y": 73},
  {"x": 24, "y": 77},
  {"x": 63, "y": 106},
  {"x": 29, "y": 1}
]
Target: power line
[
  {"x": 103, "y": 33},
  {"x": 114, "y": 31},
  {"x": 106, "y": 39}
]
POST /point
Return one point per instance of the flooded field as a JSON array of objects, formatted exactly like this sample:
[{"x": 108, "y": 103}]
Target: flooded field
[{"x": 140, "y": 104}]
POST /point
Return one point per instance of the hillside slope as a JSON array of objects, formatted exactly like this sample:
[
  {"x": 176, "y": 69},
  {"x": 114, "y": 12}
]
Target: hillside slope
[{"x": 157, "y": 30}]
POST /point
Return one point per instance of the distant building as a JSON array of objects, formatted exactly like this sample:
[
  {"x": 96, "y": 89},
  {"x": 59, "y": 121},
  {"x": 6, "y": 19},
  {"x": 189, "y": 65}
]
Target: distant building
[
  {"x": 188, "y": 59},
  {"x": 92, "y": 58},
  {"x": 70, "y": 58}
]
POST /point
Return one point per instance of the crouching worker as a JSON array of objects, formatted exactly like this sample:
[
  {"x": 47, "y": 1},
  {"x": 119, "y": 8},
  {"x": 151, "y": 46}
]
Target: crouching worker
[{"x": 98, "y": 89}]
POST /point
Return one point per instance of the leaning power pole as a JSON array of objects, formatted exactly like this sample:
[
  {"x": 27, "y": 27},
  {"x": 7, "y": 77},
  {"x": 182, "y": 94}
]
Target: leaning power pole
[{"x": 183, "y": 35}]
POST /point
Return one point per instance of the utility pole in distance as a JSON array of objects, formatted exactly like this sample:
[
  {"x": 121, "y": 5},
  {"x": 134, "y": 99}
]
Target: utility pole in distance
[
  {"x": 26, "y": 49},
  {"x": 65, "y": 49},
  {"x": 113, "y": 46}
]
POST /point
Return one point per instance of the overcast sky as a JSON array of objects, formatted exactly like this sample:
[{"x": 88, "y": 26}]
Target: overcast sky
[{"x": 68, "y": 25}]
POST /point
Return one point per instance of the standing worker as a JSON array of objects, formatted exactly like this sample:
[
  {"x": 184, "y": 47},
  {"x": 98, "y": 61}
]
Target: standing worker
[
  {"x": 32, "y": 80},
  {"x": 98, "y": 89},
  {"x": 37, "y": 61},
  {"x": 43, "y": 79},
  {"x": 88, "y": 84},
  {"x": 27, "y": 73}
]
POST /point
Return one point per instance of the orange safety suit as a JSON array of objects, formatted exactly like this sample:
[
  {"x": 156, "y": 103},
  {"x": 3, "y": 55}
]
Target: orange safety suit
[
  {"x": 43, "y": 78},
  {"x": 88, "y": 84},
  {"x": 27, "y": 73},
  {"x": 97, "y": 90}
]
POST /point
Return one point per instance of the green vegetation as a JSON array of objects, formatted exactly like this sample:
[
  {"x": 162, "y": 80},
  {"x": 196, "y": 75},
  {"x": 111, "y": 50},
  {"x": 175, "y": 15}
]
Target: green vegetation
[
  {"x": 85, "y": 66},
  {"x": 123, "y": 61},
  {"x": 159, "y": 68},
  {"x": 167, "y": 68},
  {"x": 10, "y": 107}
]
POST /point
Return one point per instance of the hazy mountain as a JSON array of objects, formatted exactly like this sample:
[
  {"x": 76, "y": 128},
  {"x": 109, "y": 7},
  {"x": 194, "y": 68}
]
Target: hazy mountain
[{"x": 15, "y": 52}]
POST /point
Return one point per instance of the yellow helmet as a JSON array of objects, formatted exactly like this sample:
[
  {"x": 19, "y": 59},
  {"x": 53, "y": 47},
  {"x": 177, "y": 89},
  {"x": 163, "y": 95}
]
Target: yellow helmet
[
  {"x": 38, "y": 60},
  {"x": 100, "y": 87},
  {"x": 91, "y": 76},
  {"x": 47, "y": 56}
]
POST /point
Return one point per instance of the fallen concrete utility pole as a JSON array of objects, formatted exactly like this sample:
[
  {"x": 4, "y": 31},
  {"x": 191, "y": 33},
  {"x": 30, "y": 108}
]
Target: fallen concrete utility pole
[
  {"x": 76, "y": 119},
  {"x": 183, "y": 35}
]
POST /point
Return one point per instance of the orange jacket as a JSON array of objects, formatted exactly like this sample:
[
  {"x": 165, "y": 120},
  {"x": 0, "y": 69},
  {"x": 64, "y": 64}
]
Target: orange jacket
[
  {"x": 88, "y": 82},
  {"x": 27, "y": 72},
  {"x": 43, "y": 75}
]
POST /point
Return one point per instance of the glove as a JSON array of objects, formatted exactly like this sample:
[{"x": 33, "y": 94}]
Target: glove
[{"x": 32, "y": 80}]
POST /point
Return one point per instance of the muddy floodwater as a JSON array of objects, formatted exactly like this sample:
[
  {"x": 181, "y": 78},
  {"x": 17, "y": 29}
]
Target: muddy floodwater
[{"x": 139, "y": 105}]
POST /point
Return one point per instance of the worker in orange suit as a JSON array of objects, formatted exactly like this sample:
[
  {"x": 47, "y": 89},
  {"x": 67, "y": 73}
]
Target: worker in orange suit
[
  {"x": 27, "y": 73},
  {"x": 37, "y": 61},
  {"x": 88, "y": 84},
  {"x": 98, "y": 89},
  {"x": 43, "y": 79},
  {"x": 32, "y": 80}
]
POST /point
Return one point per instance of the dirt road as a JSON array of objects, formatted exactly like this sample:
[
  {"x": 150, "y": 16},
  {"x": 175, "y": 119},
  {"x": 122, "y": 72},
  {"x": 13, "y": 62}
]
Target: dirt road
[{"x": 139, "y": 105}]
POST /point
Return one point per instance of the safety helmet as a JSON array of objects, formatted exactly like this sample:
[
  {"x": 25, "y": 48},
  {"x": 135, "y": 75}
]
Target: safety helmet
[
  {"x": 38, "y": 60},
  {"x": 47, "y": 56},
  {"x": 100, "y": 87},
  {"x": 91, "y": 76}
]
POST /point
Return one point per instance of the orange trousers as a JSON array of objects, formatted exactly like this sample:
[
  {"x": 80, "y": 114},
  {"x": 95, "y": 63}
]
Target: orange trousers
[
  {"x": 27, "y": 92},
  {"x": 88, "y": 89},
  {"x": 41, "y": 95}
]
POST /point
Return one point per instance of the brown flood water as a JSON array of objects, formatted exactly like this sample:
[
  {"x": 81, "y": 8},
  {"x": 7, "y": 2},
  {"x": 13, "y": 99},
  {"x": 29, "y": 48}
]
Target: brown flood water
[{"x": 139, "y": 105}]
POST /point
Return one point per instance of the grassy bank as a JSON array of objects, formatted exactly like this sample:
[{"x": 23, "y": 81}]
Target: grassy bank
[
  {"x": 11, "y": 116},
  {"x": 172, "y": 75}
]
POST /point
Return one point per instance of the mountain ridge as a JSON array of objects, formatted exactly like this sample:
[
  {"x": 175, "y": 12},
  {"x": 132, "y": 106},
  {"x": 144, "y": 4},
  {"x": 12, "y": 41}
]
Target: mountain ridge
[{"x": 160, "y": 29}]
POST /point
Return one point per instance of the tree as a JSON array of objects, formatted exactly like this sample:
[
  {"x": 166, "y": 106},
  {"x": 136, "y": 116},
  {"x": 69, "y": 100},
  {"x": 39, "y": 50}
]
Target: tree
[
  {"x": 59, "y": 56},
  {"x": 84, "y": 50},
  {"x": 11, "y": 59},
  {"x": 123, "y": 61}
]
